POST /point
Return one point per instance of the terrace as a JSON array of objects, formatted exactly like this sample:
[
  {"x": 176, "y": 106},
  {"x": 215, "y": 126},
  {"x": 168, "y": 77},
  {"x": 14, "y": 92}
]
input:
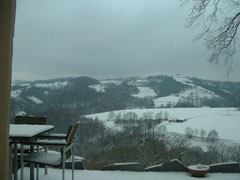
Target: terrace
[{"x": 55, "y": 174}]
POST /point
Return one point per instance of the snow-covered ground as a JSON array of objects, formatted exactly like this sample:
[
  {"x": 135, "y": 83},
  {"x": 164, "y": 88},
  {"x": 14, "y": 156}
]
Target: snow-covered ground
[
  {"x": 145, "y": 92},
  {"x": 20, "y": 113},
  {"x": 195, "y": 93},
  {"x": 163, "y": 101},
  {"x": 107, "y": 81},
  {"x": 55, "y": 85},
  {"x": 199, "y": 92},
  {"x": 225, "y": 120},
  {"x": 16, "y": 93},
  {"x": 98, "y": 87},
  {"x": 35, "y": 99},
  {"x": 56, "y": 174}
]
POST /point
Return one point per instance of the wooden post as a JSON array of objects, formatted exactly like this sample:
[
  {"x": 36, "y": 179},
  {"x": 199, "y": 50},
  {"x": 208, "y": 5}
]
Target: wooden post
[{"x": 7, "y": 21}]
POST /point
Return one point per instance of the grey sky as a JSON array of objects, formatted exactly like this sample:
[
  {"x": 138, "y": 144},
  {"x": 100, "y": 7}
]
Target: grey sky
[{"x": 107, "y": 39}]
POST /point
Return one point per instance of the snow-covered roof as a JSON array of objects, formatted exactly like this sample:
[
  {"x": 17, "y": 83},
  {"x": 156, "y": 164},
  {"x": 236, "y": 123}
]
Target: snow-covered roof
[{"x": 225, "y": 163}]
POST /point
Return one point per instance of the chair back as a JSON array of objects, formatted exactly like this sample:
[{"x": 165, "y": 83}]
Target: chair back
[
  {"x": 71, "y": 133},
  {"x": 70, "y": 138},
  {"x": 41, "y": 120}
]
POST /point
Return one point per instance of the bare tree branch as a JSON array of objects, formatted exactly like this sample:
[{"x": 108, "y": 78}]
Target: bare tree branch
[{"x": 220, "y": 33}]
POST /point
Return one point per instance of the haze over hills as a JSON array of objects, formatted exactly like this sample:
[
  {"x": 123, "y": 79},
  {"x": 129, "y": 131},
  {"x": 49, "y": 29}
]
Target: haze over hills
[{"x": 85, "y": 95}]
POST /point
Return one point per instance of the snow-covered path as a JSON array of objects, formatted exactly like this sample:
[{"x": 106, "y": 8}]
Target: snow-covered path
[{"x": 55, "y": 174}]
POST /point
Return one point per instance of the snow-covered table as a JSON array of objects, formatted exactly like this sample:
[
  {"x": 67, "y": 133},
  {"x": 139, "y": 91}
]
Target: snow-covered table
[
  {"x": 23, "y": 133},
  {"x": 27, "y": 131}
]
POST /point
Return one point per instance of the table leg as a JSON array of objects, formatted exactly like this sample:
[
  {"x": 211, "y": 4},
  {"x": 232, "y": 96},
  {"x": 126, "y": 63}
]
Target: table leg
[
  {"x": 10, "y": 161},
  {"x": 73, "y": 162},
  {"x": 31, "y": 165},
  {"x": 45, "y": 167},
  {"x": 22, "y": 171},
  {"x": 15, "y": 160}
]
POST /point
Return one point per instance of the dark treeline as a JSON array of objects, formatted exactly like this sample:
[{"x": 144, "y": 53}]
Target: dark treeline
[{"x": 134, "y": 143}]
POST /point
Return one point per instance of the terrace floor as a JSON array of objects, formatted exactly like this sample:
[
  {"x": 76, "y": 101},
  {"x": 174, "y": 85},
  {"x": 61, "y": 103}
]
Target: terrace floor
[{"x": 55, "y": 174}]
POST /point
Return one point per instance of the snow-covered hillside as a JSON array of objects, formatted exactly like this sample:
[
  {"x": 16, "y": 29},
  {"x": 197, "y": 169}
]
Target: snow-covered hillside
[
  {"x": 48, "y": 85},
  {"x": 225, "y": 120},
  {"x": 91, "y": 95},
  {"x": 35, "y": 100},
  {"x": 193, "y": 92},
  {"x": 145, "y": 92}
]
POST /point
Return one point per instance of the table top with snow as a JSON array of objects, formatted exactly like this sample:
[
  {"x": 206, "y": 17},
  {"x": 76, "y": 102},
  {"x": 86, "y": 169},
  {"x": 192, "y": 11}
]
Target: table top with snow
[{"x": 27, "y": 130}]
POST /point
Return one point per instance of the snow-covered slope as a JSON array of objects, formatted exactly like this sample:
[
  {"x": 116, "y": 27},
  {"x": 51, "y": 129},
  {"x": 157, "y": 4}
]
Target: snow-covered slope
[
  {"x": 145, "y": 92},
  {"x": 166, "y": 100},
  {"x": 194, "y": 92},
  {"x": 35, "y": 100},
  {"x": 16, "y": 93},
  {"x": 48, "y": 85},
  {"x": 93, "y": 95},
  {"x": 225, "y": 120},
  {"x": 55, "y": 85}
]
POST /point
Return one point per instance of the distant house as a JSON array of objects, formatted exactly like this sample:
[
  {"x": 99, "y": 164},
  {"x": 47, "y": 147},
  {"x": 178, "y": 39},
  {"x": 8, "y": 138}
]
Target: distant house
[{"x": 177, "y": 120}]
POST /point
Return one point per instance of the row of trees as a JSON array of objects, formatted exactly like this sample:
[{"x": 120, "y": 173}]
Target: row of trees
[
  {"x": 151, "y": 151},
  {"x": 104, "y": 146},
  {"x": 131, "y": 123},
  {"x": 132, "y": 116},
  {"x": 211, "y": 136}
]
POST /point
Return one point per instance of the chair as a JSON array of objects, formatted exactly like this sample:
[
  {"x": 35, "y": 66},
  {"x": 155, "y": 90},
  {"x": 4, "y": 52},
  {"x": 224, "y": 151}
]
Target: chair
[
  {"x": 27, "y": 119},
  {"x": 54, "y": 159},
  {"x": 40, "y": 120}
]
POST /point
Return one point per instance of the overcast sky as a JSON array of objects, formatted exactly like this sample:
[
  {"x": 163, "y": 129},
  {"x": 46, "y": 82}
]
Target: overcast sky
[{"x": 108, "y": 39}]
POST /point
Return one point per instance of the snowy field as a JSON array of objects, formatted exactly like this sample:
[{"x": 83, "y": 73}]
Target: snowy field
[
  {"x": 175, "y": 98},
  {"x": 145, "y": 92},
  {"x": 56, "y": 174},
  {"x": 225, "y": 120}
]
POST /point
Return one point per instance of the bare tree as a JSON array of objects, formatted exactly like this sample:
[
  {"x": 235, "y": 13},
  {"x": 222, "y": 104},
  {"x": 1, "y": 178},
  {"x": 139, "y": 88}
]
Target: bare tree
[
  {"x": 111, "y": 115},
  {"x": 189, "y": 132},
  {"x": 166, "y": 115},
  {"x": 130, "y": 116},
  {"x": 196, "y": 131},
  {"x": 162, "y": 130},
  {"x": 235, "y": 152},
  {"x": 213, "y": 135},
  {"x": 203, "y": 134},
  {"x": 220, "y": 20},
  {"x": 179, "y": 147},
  {"x": 159, "y": 117}
]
